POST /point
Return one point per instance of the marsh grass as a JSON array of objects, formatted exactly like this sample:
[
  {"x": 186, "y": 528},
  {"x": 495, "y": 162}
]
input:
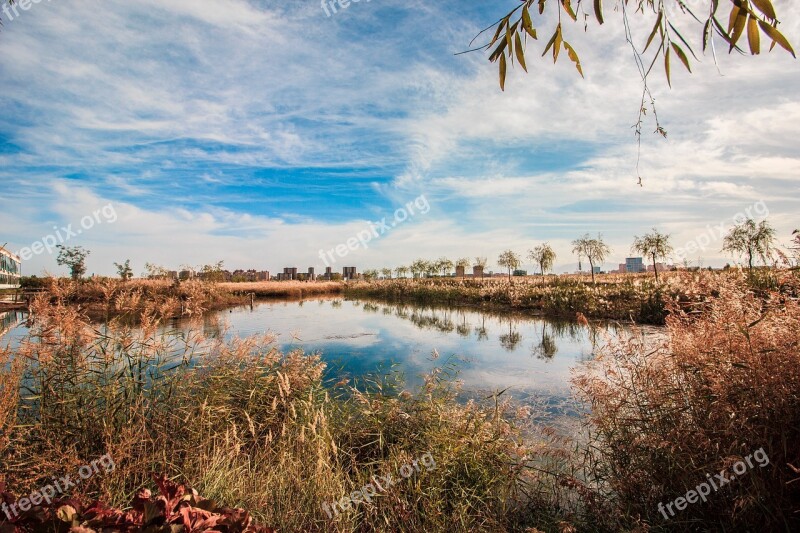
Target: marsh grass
[
  {"x": 628, "y": 297},
  {"x": 723, "y": 383},
  {"x": 251, "y": 427}
]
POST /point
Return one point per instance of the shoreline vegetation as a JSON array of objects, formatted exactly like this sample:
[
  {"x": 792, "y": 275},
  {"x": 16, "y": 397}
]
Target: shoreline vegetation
[
  {"x": 635, "y": 298},
  {"x": 252, "y": 428}
]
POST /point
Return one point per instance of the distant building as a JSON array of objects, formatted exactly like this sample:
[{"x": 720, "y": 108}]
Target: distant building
[
  {"x": 520, "y": 273},
  {"x": 477, "y": 271},
  {"x": 596, "y": 270},
  {"x": 660, "y": 266},
  {"x": 622, "y": 268},
  {"x": 10, "y": 270},
  {"x": 459, "y": 271},
  {"x": 634, "y": 265},
  {"x": 349, "y": 273}
]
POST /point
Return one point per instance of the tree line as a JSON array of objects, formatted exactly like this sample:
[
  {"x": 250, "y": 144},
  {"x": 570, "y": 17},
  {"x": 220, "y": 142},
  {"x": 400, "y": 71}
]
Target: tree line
[{"x": 750, "y": 240}]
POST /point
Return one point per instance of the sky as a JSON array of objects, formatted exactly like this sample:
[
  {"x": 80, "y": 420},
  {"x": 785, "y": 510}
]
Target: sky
[{"x": 266, "y": 134}]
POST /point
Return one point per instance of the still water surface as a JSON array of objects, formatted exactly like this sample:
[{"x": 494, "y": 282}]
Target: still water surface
[{"x": 531, "y": 355}]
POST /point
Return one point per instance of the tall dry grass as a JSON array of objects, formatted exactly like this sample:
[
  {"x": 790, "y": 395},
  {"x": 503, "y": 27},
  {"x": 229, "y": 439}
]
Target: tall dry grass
[
  {"x": 251, "y": 427},
  {"x": 724, "y": 383},
  {"x": 284, "y": 289},
  {"x": 619, "y": 297}
]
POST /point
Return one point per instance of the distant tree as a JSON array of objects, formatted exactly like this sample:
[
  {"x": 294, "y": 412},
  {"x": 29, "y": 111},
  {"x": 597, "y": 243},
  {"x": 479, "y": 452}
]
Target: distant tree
[
  {"x": 418, "y": 267},
  {"x": 430, "y": 268},
  {"x": 401, "y": 271},
  {"x": 750, "y": 239},
  {"x": 444, "y": 265},
  {"x": 544, "y": 256},
  {"x": 387, "y": 273},
  {"x": 481, "y": 262},
  {"x": 653, "y": 245},
  {"x": 509, "y": 260},
  {"x": 464, "y": 263},
  {"x": 213, "y": 272},
  {"x": 124, "y": 270},
  {"x": 154, "y": 271},
  {"x": 370, "y": 275},
  {"x": 73, "y": 257},
  {"x": 796, "y": 243},
  {"x": 595, "y": 250}
]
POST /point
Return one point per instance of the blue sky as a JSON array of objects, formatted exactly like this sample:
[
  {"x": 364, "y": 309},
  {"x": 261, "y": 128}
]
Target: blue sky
[{"x": 261, "y": 132}]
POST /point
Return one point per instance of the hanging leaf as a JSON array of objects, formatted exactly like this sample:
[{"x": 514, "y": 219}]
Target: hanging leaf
[
  {"x": 753, "y": 36},
  {"x": 738, "y": 27},
  {"x": 550, "y": 43},
  {"x": 777, "y": 37},
  {"x": 520, "y": 52},
  {"x": 732, "y": 18},
  {"x": 527, "y": 23},
  {"x": 568, "y": 8},
  {"x": 598, "y": 11},
  {"x": 682, "y": 56},
  {"x": 656, "y": 27},
  {"x": 503, "y": 72},
  {"x": 498, "y": 52},
  {"x": 557, "y": 44},
  {"x": 574, "y": 57},
  {"x": 666, "y": 67},
  {"x": 706, "y": 34},
  {"x": 765, "y": 6}
]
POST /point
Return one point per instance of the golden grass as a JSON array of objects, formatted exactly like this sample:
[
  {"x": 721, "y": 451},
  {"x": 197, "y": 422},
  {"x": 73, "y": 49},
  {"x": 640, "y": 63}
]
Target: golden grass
[
  {"x": 255, "y": 428},
  {"x": 284, "y": 289}
]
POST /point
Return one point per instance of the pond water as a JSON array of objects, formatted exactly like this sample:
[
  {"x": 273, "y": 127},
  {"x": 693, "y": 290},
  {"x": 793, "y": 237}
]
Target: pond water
[{"x": 530, "y": 356}]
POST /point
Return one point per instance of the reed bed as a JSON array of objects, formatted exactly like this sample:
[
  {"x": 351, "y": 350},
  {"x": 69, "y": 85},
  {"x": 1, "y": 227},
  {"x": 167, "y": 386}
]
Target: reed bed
[
  {"x": 253, "y": 428},
  {"x": 636, "y": 298},
  {"x": 284, "y": 289},
  {"x": 250, "y": 427}
]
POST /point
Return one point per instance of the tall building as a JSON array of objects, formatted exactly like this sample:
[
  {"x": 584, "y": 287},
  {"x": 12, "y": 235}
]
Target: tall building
[
  {"x": 349, "y": 273},
  {"x": 10, "y": 270},
  {"x": 634, "y": 265}
]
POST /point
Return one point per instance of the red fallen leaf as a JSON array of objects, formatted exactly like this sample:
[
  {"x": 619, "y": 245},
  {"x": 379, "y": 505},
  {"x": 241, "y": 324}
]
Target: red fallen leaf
[
  {"x": 190, "y": 516},
  {"x": 171, "y": 492},
  {"x": 142, "y": 496}
]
